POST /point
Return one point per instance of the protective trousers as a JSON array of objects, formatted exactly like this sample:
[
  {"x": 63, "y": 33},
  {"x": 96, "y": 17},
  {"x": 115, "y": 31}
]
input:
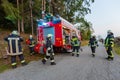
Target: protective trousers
[
  {"x": 93, "y": 49},
  {"x": 109, "y": 52},
  {"x": 31, "y": 50},
  {"x": 51, "y": 58},
  {"x": 13, "y": 60},
  {"x": 49, "y": 54},
  {"x": 75, "y": 50}
]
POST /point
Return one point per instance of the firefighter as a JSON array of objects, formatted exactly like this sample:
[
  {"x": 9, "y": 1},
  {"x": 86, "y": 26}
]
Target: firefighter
[
  {"x": 109, "y": 43},
  {"x": 48, "y": 17},
  {"x": 15, "y": 48},
  {"x": 93, "y": 44},
  {"x": 49, "y": 50},
  {"x": 75, "y": 46},
  {"x": 31, "y": 44}
]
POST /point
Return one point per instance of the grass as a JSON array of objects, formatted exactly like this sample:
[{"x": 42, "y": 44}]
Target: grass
[
  {"x": 84, "y": 42},
  {"x": 117, "y": 49},
  {"x": 4, "y": 67}
]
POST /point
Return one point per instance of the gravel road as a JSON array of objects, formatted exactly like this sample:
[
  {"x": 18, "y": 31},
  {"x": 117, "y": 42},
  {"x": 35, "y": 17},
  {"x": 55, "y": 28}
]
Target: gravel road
[{"x": 68, "y": 67}]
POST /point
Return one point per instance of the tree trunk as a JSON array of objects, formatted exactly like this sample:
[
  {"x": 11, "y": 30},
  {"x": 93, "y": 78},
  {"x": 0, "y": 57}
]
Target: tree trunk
[
  {"x": 18, "y": 21},
  {"x": 43, "y": 8},
  {"x": 31, "y": 17},
  {"x": 22, "y": 21}
]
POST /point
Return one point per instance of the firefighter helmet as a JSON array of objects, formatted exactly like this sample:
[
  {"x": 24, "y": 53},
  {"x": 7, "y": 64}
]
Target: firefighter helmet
[
  {"x": 31, "y": 36},
  {"x": 15, "y": 32},
  {"x": 49, "y": 35},
  {"x": 93, "y": 36},
  {"x": 109, "y": 31}
]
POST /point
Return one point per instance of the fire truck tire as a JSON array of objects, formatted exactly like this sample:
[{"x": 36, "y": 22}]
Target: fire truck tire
[{"x": 63, "y": 50}]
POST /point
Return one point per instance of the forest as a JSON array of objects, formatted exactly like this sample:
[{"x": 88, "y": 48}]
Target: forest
[{"x": 22, "y": 14}]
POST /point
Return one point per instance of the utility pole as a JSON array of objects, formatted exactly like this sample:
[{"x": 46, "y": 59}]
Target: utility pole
[{"x": 31, "y": 16}]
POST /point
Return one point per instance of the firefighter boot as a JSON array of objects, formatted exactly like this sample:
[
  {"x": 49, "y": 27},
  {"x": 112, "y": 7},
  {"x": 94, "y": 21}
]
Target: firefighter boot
[
  {"x": 72, "y": 54},
  {"x": 107, "y": 58},
  {"x": 23, "y": 64},
  {"x": 93, "y": 55},
  {"x": 77, "y": 55},
  {"x": 43, "y": 61},
  {"x": 15, "y": 66},
  {"x": 110, "y": 59},
  {"x": 53, "y": 63}
]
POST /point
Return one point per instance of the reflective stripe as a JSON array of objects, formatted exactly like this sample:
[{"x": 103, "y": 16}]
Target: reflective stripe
[
  {"x": 78, "y": 53},
  {"x": 106, "y": 43},
  {"x": 112, "y": 39},
  {"x": 73, "y": 52},
  {"x": 13, "y": 64},
  {"x": 48, "y": 54},
  {"x": 16, "y": 41},
  {"x": 93, "y": 45},
  {"x": 10, "y": 43},
  {"x": 13, "y": 38},
  {"x": 112, "y": 55},
  {"x": 52, "y": 61},
  {"x": 111, "y": 42},
  {"x": 31, "y": 45},
  {"x": 22, "y": 61},
  {"x": 13, "y": 54},
  {"x": 46, "y": 59},
  {"x": 16, "y": 45},
  {"x": 53, "y": 54}
]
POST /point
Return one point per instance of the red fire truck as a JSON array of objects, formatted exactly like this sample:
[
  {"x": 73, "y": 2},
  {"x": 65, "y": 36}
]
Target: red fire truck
[{"x": 62, "y": 32}]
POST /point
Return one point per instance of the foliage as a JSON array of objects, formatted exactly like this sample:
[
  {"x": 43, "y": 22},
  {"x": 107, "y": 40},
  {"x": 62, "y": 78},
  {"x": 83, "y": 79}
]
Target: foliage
[
  {"x": 12, "y": 13},
  {"x": 72, "y": 10},
  {"x": 85, "y": 28}
]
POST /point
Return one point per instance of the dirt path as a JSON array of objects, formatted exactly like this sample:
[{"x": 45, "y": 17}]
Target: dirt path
[{"x": 70, "y": 67}]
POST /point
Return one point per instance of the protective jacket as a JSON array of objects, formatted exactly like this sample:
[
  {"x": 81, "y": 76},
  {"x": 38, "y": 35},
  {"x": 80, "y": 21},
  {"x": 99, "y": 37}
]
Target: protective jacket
[
  {"x": 14, "y": 46},
  {"x": 32, "y": 42},
  {"x": 93, "y": 42},
  {"x": 48, "y": 43},
  {"x": 49, "y": 47},
  {"x": 75, "y": 42},
  {"x": 109, "y": 41}
]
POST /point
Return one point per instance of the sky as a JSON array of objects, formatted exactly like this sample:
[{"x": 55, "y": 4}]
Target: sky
[{"x": 105, "y": 15}]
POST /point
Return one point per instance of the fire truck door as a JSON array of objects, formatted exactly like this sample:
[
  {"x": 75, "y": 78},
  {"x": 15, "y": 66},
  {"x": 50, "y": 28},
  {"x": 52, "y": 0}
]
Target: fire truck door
[{"x": 49, "y": 30}]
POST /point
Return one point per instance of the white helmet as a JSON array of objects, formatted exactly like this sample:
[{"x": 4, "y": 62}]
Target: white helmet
[
  {"x": 49, "y": 35},
  {"x": 109, "y": 32},
  {"x": 31, "y": 36},
  {"x": 93, "y": 35},
  {"x": 15, "y": 32}
]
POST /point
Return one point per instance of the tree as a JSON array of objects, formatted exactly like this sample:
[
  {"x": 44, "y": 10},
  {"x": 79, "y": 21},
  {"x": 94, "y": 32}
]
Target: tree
[
  {"x": 85, "y": 28},
  {"x": 11, "y": 11},
  {"x": 68, "y": 9}
]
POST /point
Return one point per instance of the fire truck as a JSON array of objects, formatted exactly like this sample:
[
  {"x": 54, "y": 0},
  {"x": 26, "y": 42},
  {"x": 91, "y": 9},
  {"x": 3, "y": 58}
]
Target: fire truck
[{"x": 62, "y": 32}]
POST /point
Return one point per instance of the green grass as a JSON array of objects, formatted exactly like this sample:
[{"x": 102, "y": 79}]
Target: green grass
[
  {"x": 4, "y": 67},
  {"x": 117, "y": 49}
]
